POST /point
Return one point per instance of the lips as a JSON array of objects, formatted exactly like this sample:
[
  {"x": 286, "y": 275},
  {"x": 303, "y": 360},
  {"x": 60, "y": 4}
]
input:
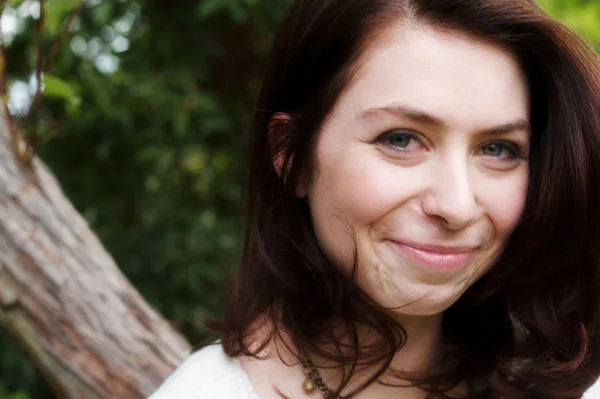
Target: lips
[{"x": 439, "y": 257}]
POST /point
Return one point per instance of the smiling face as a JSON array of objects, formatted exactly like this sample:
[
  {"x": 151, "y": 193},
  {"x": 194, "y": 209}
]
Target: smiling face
[{"x": 423, "y": 164}]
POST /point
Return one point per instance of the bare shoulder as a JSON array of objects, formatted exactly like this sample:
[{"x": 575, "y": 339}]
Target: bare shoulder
[{"x": 207, "y": 373}]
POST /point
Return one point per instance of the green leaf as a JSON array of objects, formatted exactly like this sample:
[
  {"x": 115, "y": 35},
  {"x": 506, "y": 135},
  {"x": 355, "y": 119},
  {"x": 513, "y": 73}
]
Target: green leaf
[
  {"x": 102, "y": 13},
  {"x": 63, "y": 6},
  {"x": 208, "y": 8},
  {"x": 55, "y": 12},
  {"x": 56, "y": 87}
]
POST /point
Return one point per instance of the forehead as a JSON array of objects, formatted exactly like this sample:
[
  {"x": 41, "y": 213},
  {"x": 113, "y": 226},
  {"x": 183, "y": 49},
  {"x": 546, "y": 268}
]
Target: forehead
[{"x": 457, "y": 78}]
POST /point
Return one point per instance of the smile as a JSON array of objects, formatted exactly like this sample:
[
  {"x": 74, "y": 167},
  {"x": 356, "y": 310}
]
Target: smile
[{"x": 437, "y": 257}]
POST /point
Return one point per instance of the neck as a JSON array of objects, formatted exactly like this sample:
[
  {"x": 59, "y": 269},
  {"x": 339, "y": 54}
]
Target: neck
[
  {"x": 423, "y": 343},
  {"x": 418, "y": 355}
]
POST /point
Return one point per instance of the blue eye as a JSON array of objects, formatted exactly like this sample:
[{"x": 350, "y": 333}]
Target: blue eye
[
  {"x": 501, "y": 150},
  {"x": 401, "y": 140},
  {"x": 493, "y": 150}
]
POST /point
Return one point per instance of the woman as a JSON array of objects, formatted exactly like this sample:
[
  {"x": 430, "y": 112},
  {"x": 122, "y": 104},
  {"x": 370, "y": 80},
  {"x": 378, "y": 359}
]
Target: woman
[{"x": 423, "y": 210}]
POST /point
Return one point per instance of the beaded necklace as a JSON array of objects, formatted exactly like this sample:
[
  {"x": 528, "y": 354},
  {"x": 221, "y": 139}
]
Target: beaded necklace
[
  {"x": 313, "y": 377},
  {"x": 314, "y": 380}
]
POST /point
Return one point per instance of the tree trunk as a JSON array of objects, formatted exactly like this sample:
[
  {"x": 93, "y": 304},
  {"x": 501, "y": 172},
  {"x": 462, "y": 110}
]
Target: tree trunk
[{"x": 63, "y": 298}]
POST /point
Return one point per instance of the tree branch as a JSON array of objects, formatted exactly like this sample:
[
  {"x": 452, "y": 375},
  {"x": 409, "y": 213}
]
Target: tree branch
[
  {"x": 64, "y": 300},
  {"x": 63, "y": 37}
]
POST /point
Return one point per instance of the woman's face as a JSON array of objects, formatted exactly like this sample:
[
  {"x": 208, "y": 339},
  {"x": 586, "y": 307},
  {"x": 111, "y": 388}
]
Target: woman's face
[{"x": 424, "y": 161}]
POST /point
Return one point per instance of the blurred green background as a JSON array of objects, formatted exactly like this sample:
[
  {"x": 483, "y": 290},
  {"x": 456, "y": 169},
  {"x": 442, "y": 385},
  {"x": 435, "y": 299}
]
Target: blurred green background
[{"x": 145, "y": 127}]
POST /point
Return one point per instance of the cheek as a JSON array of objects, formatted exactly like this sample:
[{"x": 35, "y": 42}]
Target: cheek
[
  {"x": 505, "y": 203},
  {"x": 349, "y": 193},
  {"x": 357, "y": 185}
]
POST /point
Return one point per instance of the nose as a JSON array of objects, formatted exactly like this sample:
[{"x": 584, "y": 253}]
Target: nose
[{"x": 450, "y": 196}]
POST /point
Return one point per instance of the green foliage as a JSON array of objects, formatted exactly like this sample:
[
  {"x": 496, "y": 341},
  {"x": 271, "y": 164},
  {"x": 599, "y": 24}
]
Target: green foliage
[
  {"x": 145, "y": 129},
  {"x": 238, "y": 10},
  {"x": 55, "y": 87},
  {"x": 583, "y": 16},
  {"x": 152, "y": 154},
  {"x": 14, "y": 3},
  {"x": 5, "y": 394},
  {"x": 55, "y": 12}
]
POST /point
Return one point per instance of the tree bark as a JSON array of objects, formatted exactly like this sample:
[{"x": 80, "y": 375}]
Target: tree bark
[{"x": 64, "y": 299}]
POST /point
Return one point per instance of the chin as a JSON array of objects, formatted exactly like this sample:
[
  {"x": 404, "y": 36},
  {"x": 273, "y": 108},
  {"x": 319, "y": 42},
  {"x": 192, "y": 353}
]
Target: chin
[
  {"x": 422, "y": 310},
  {"x": 429, "y": 303}
]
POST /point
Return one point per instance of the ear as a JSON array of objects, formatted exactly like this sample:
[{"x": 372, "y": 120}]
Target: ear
[{"x": 275, "y": 128}]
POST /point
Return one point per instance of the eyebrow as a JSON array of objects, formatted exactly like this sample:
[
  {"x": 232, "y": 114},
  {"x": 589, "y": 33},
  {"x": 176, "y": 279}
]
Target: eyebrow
[{"x": 405, "y": 112}]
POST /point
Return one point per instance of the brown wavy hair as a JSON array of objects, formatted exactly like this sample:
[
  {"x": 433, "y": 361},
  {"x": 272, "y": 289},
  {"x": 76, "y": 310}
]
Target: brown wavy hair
[{"x": 530, "y": 327}]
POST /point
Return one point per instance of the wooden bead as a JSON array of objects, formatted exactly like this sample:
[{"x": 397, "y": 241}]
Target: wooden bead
[{"x": 309, "y": 386}]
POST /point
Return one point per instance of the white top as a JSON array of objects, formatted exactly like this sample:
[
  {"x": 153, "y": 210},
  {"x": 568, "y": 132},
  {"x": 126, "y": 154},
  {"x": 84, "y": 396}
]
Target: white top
[
  {"x": 211, "y": 374},
  {"x": 593, "y": 392},
  {"x": 208, "y": 374}
]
